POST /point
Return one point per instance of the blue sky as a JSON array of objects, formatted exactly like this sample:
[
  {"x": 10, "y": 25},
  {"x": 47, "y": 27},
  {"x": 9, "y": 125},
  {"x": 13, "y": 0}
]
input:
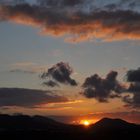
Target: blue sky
[{"x": 23, "y": 44}]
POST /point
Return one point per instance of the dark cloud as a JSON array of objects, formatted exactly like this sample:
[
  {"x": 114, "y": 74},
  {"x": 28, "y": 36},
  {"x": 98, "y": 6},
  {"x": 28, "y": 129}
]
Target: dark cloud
[
  {"x": 133, "y": 75},
  {"x": 58, "y": 3},
  {"x": 50, "y": 83},
  {"x": 132, "y": 4},
  {"x": 109, "y": 88},
  {"x": 102, "y": 89},
  {"x": 12, "y": 2},
  {"x": 136, "y": 100},
  {"x": 111, "y": 6},
  {"x": 80, "y": 22},
  {"x": 61, "y": 73},
  {"x": 28, "y": 97},
  {"x": 128, "y": 99},
  {"x": 133, "y": 100},
  {"x": 129, "y": 1},
  {"x": 134, "y": 87}
]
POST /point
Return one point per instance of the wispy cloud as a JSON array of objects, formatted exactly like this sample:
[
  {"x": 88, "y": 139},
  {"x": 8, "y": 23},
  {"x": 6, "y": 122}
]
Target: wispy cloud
[
  {"x": 59, "y": 105},
  {"x": 27, "y": 67}
]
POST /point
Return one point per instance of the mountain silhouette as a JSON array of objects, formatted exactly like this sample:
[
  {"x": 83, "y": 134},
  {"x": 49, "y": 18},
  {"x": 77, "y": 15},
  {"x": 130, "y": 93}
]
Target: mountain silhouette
[
  {"x": 43, "y": 128},
  {"x": 34, "y": 123},
  {"x": 107, "y": 123},
  {"x": 114, "y": 129}
]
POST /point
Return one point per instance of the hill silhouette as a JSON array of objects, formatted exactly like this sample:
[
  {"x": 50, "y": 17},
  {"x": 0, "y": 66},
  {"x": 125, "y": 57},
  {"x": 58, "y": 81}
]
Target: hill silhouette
[
  {"x": 24, "y": 122},
  {"x": 115, "y": 129},
  {"x": 25, "y": 127},
  {"x": 107, "y": 123}
]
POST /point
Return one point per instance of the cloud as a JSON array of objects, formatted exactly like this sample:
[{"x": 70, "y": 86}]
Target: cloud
[
  {"x": 58, "y": 3},
  {"x": 26, "y": 68},
  {"x": 132, "y": 101},
  {"x": 50, "y": 83},
  {"x": 133, "y": 76},
  {"x": 24, "y": 64},
  {"x": 28, "y": 97},
  {"x": 134, "y": 87},
  {"x": 111, "y": 6},
  {"x": 60, "y": 105},
  {"x": 80, "y": 22},
  {"x": 102, "y": 89},
  {"x": 124, "y": 4},
  {"x": 130, "y": 3},
  {"x": 22, "y": 71},
  {"x": 61, "y": 73}
]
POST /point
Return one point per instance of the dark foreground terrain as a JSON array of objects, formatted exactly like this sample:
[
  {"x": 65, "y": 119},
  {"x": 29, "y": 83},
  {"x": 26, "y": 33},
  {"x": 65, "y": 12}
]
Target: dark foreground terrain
[{"x": 23, "y": 127}]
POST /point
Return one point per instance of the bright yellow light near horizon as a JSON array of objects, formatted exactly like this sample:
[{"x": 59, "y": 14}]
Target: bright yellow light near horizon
[{"x": 86, "y": 123}]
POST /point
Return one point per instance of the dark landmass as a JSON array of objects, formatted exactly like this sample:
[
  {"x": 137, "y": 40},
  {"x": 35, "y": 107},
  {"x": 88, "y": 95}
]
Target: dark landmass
[{"x": 22, "y": 127}]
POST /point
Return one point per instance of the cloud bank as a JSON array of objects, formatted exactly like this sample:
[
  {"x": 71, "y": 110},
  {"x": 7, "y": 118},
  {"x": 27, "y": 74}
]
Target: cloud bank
[
  {"x": 75, "y": 19},
  {"x": 28, "y": 98}
]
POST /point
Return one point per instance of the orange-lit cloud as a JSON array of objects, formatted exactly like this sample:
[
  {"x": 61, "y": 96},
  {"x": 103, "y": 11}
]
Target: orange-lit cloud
[
  {"x": 108, "y": 25},
  {"x": 54, "y": 108},
  {"x": 66, "y": 103},
  {"x": 58, "y": 106}
]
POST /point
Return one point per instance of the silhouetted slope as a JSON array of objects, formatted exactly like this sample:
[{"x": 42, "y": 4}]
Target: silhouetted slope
[
  {"x": 107, "y": 123},
  {"x": 24, "y": 122},
  {"x": 115, "y": 129},
  {"x": 42, "y": 128}
]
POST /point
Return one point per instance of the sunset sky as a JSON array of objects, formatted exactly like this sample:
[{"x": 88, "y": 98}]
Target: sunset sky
[{"x": 70, "y": 58}]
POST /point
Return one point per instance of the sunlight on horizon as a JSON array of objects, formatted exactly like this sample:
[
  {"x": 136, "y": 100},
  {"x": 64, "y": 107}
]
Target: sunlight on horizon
[{"x": 86, "y": 123}]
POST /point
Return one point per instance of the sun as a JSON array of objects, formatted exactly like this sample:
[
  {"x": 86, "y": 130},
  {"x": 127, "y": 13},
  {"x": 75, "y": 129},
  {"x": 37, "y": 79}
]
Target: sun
[{"x": 86, "y": 123}]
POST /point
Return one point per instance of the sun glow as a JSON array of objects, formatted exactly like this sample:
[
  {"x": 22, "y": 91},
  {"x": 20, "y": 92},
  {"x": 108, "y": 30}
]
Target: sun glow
[{"x": 85, "y": 122}]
